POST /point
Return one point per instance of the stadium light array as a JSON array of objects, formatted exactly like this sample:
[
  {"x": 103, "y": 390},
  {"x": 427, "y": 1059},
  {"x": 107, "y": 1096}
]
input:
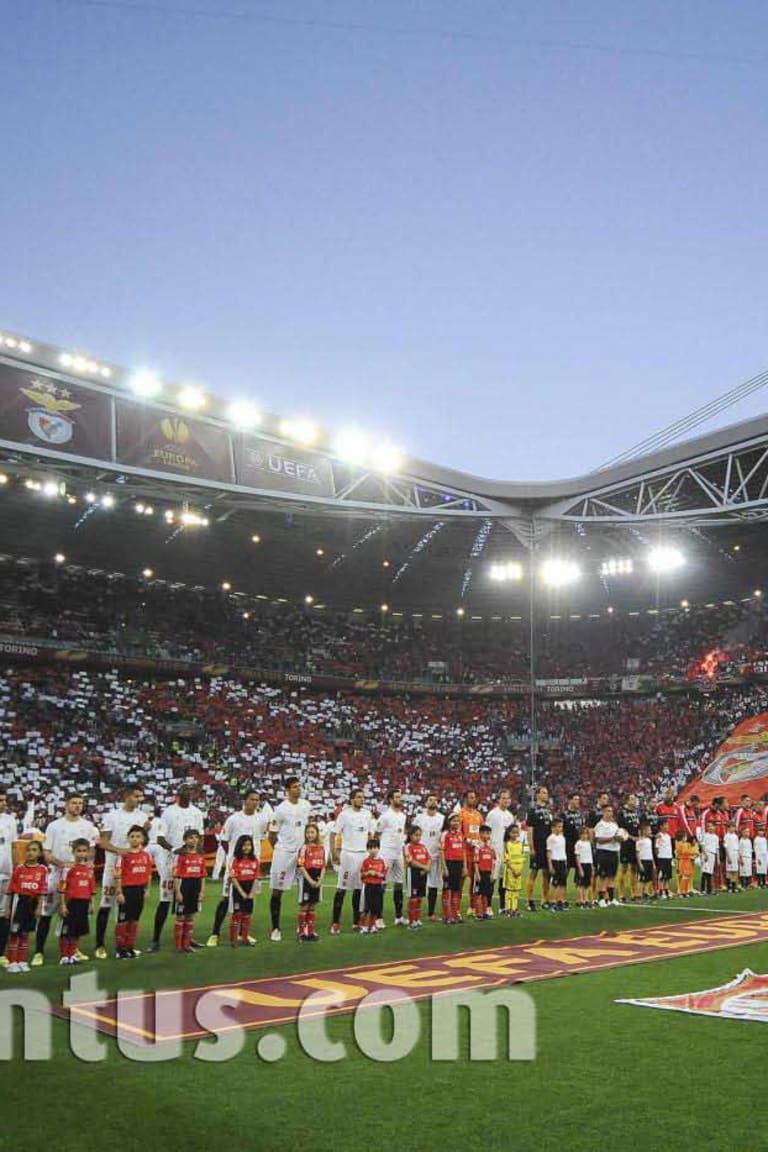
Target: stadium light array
[
  {"x": 459, "y": 612},
  {"x": 83, "y": 365},
  {"x": 506, "y": 573},
  {"x": 193, "y": 520},
  {"x": 143, "y": 509},
  {"x": 145, "y": 384},
  {"x": 59, "y": 558},
  {"x": 385, "y": 608},
  {"x": 226, "y": 586},
  {"x": 107, "y": 501},
  {"x": 147, "y": 573},
  {"x": 308, "y": 599},
  {"x": 351, "y": 447},
  {"x": 243, "y": 415},
  {"x": 386, "y": 458},
  {"x": 665, "y": 559},
  {"x": 617, "y": 566},
  {"x": 256, "y": 539},
  {"x": 300, "y": 431},
  {"x": 191, "y": 398},
  {"x": 558, "y": 573},
  {"x": 3, "y": 478},
  {"x": 16, "y": 345}
]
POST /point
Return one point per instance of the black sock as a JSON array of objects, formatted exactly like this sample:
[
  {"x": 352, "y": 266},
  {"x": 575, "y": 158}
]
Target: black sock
[
  {"x": 502, "y": 897},
  {"x": 161, "y": 915},
  {"x": 275, "y": 901},
  {"x": 611, "y": 893},
  {"x": 102, "y": 918},
  {"x": 431, "y": 901},
  {"x": 398, "y": 898},
  {"x": 338, "y": 904},
  {"x": 5, "y": 925},
  {"x": 220, "y": 916},
  {"x": 43, "y": 928},
  {"x": 356, "y": 895}
]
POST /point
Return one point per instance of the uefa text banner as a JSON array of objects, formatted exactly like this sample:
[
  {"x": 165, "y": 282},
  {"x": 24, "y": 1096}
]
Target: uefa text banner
[
  {"x": 739, "y": 766},
  {"x": 54, "y": 414},
  {"x": 166, "y": 442},
  {"x": 261, "y": 463}
]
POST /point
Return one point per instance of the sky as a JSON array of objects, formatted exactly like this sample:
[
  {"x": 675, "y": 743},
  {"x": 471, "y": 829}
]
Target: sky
[{"x": 512, "y": 238}]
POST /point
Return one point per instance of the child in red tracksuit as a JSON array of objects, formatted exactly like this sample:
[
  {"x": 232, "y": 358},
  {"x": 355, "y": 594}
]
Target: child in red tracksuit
[
  {"x": 132, "y": 875},
  {"x": 453, "y": 861},
  {"x": 189, "y": 888},
  {"x": 244, "y": 873},
  {"x": 373, "y": 875},
  {"x": 26, "y": 889},
  {"x": 77, "y": 890}
]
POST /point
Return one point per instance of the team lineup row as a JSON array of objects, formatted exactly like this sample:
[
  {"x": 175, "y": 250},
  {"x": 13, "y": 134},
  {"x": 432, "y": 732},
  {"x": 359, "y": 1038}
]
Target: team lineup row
[{"x": 418, "y": 857}]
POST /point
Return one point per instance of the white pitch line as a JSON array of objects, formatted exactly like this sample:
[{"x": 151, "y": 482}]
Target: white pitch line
[{"x": 664, "y": 907}]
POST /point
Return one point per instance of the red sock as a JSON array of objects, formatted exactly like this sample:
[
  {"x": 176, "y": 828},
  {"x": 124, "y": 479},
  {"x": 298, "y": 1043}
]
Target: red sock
[
  {"x": 179, "y": 933},
  {"x": 74, "y": 945},
  {"x": 12, "y": 949},
  {"x": 245, "y": 927},
  {"x": 187, "y": 933},
  {"x": 234, "y": 927},
  {"x": 64, "y": 942},
  {"x": 372, "y": 920},
  {"x": 302, "y": 922},
  {"x": 456, "y": 905},
  {"x": 311, "y": 921},
  {"x": 447, "y": 904},
  {"x": 22, "y": 949},
  {"x": 120, "y": 943},
  {"x": 133, "y": 931}
]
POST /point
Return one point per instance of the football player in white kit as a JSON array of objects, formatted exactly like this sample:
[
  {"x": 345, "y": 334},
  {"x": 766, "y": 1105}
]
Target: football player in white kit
[
  {"x": 57, "y": 849},
  {"x": 498, "y": 820},
  {"x": 9, "y": 831},
  {"x": 113, "y": 838},
  {"x": 391, "y": 831},
  {"x": 287, "y": 835},
  {"x": 432, "y": 824},
  {"x": 354, "y": 825},
  {"x": 166, "y": 837},
  {"x": 253, "y": 821}
]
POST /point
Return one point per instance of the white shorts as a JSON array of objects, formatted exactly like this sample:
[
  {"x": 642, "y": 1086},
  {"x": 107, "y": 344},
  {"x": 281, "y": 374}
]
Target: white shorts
[
  {"x": 164, "y": 862},
  {"x": 746, "y": 873},
  {"x": 731, "y": 863},
  {"x": 109, "y": 882},
  {"x": 496, "y": 871},
  {"x": 395, "y": 867},
  {"x": 435, "y": 877},
  {"x": 282, "y": 874},
  {"x": 4, "y": 882},
  {"x": 52, "y": 898},
  {"x": 349, "y": 871}
]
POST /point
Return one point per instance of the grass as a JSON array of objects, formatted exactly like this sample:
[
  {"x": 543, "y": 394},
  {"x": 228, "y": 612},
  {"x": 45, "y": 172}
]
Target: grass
[{"x": 654, "y": 1078}]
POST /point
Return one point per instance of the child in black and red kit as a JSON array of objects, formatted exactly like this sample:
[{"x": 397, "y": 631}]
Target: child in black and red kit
[
  {"x": 453, "y": 863},
  {"x": 189, "y": 888},
  {"x": 28, "y": 885},
  {"x": 77, "y": 889},
  {"x": 132, "y": 875},
  {"x": 418, "y": 862},
  {"x": 244, "y": 872},
  {"x": 311, "y": 865},
  {"x": 482, "y": 887},
  {"x": 373, "y": 875}
]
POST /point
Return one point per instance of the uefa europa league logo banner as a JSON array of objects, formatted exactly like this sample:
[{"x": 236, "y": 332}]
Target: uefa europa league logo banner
[
  {"x": 167, "y": 442},
  {"x": 54, "y": 414}
]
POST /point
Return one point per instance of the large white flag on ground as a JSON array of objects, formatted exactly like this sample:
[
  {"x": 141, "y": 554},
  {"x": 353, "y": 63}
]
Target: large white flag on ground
[{"x": 745, "y": 998}]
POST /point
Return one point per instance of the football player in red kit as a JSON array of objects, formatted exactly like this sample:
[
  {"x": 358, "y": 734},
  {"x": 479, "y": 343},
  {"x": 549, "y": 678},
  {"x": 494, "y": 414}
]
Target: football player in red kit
[
  {"x": 77, "y": 889},
  {"x": 373, "y": 876},
  {"x": 311, "y": 865},
  {"x": 132, "y": 875}
]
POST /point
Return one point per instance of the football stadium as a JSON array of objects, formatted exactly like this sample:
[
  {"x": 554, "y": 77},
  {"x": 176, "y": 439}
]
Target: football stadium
[
  {"x": 220, "y": 629},
  {"x": 383, "y": 576}
]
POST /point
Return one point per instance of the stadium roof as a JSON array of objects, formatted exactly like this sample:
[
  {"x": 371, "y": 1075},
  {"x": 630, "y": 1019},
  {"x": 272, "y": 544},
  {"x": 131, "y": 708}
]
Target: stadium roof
[{"x": 423, "y": 538}]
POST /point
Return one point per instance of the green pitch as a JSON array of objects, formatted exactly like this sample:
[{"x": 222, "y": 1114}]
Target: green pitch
[{"x": 657, "y": 1080}]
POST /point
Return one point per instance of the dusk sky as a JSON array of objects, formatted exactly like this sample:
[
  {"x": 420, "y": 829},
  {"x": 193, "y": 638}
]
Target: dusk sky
[{"x": 514, "y": 238}]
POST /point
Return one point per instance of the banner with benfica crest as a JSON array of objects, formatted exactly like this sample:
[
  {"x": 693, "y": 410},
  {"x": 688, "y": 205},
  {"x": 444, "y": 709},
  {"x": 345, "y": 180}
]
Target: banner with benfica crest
[
  {"x": 739, "y": 766},
  {"x": 165, "y": 442},
  {"x": 745, "y": 998},
  {"x": 54, "y": 414}
]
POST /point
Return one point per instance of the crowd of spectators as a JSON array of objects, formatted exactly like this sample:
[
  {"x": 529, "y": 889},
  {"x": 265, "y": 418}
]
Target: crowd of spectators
[
  {"x": 98, "y": 731},
  {"x": 150, "y": 618}
]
